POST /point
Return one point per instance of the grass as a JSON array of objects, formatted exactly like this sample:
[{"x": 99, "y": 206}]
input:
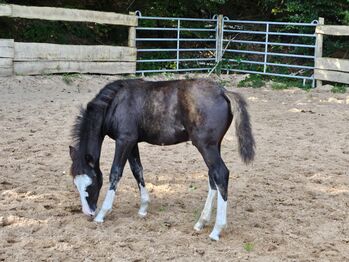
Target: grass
[
  {"x": 279, "y": 86},
  {"x": 249, "y": 246},
  {"x": 254, "y": 81},
  {"x": 192, "y": 187},
  {"x": 278, "y": 83},
  {"x": 69, "y": 78},
  {"x": 338, "y": 88},
  {"x": 162, "y": 209}
]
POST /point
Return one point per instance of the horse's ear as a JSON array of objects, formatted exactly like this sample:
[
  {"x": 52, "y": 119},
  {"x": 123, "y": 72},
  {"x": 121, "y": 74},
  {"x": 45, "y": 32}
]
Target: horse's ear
[
  {"x": 89, "y": 160},
  {"x": 72, "y": 152}
]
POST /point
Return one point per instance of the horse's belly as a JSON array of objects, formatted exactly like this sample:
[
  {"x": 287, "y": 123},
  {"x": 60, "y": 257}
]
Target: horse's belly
[{"x": 166, "y": 135}]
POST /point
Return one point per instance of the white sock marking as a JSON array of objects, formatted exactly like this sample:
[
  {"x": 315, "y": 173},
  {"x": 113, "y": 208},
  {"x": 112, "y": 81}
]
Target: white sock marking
[
  {"x": 221, "y": 218},
  {"x": 106, "y": 207},
  {"x": 207, "y": 211},
  {"x": 144, "y": 201},
  {"x": 82, "y": 182}
]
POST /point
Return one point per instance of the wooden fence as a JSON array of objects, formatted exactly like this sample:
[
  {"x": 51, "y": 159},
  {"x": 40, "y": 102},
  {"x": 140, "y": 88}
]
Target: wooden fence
[
  {"x": 42, "y": 58},
  {"x": 326, "y": 68}
]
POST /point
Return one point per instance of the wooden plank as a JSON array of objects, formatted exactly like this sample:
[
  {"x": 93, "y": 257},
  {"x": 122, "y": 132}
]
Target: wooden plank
[
  {"x": 337, "y": 30},
  {"x": 6, "y": 42},
  {"x": 6, "y": 52},
  {"x": 332, "y": 64},
  {"x": 319, "y": 47},
  {"x": 332, "y": 76},
  {"x": 41, "y": 51},
  {"x": 6, "y": 48},
  {"x": 6, "y": 71},
  {"x": 5, "y": 10},
  {"x": 64, "y": 14},
  {"x": 50, "y": 67},
  {"x": 6, "y": 62}
]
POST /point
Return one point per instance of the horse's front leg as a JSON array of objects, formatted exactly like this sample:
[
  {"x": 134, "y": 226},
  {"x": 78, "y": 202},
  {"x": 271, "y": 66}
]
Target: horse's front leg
[
  {"x": 122, "y": 150},
  {"x": 137, "y": 170}
]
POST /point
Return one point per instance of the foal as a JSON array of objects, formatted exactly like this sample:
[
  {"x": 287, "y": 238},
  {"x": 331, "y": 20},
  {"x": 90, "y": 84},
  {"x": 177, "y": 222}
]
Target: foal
[{"x": 160, "y": 113}]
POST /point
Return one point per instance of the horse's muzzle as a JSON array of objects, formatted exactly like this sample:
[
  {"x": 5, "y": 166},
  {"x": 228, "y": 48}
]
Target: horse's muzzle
[{"x": 88, "y": 211}]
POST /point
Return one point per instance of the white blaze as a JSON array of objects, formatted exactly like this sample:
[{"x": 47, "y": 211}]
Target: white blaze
[{"x": 82, "y": 182}]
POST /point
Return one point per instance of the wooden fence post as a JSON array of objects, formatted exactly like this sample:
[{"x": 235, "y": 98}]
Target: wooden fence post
[
  {"x": 319, "y": 47},
  {"x": 132, "y": 33},
  {"x": 6, "y": 57},
  {"x": 219, "y": 39}
]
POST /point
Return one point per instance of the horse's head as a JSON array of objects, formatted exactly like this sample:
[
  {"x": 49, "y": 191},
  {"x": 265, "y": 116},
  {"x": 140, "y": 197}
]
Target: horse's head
[{"x": 87, "y": 179}]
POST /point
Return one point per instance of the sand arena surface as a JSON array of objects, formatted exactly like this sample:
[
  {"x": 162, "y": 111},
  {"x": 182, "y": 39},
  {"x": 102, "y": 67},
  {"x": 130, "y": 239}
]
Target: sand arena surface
[{"x": 292, "y": 204}]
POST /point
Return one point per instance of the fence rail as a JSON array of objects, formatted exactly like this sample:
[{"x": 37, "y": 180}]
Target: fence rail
[
  {"x": 64, "y": 14},
  {"x": 42, "y": 58}
]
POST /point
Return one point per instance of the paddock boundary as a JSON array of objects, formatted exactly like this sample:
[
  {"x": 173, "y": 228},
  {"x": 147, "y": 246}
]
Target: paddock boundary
[
  {"x": 327, "y": 68},
  {"x": 17, "y": 58}
]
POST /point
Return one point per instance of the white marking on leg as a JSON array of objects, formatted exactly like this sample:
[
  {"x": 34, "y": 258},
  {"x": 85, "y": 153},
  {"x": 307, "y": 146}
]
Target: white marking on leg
[
  {"x": 82, "y": 182},
  {"x": 106, "y": 207},
  {"x": 207, "y": 211},
  {"x": 221, "y": 218},
  {"x": 144, "y": 201}
]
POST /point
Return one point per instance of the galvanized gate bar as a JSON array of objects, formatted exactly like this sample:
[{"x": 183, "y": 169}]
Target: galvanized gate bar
[
  {"x": 228, "y": 47},
  {"x": 266, "y": 48},
  {"x": 269, "y": 43},
  {"x": 178, "y": 37},
  {"x": 270, "y": 22},
  {"x": 270, "y": 33}
]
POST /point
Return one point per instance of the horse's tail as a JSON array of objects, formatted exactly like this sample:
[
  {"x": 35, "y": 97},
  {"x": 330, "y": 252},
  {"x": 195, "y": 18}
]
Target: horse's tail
[{"x": 243, "y": 129}]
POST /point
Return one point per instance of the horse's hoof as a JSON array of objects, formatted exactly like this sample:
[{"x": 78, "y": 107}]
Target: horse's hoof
[
  {"x": 142, "y": 214},
  {"x": 198, "y": 226},
  {"x": 98, "y": 220},
  {"x": 214, "y": 236}
]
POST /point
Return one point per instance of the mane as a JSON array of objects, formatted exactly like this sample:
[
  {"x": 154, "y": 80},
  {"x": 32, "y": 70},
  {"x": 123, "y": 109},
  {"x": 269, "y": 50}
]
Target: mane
[{"x": 97, "y": 108}]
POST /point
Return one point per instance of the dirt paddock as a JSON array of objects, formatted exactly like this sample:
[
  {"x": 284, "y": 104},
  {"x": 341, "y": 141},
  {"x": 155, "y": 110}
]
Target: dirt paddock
[{"x": 292, "y": 204}]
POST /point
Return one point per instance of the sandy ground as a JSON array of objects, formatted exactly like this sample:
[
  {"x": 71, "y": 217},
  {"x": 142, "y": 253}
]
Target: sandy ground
[{"x": 291, "y": 205}]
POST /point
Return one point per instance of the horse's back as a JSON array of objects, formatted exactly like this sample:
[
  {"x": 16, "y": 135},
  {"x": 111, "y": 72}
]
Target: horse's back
[
  {"x": 170, "y": 112},
  {"x": 197, "y": 106}
]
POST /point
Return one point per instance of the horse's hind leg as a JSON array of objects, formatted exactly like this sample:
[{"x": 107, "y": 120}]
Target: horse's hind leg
[
  {"x": 219, "y": 174},
  {"x": 137, "y": 170}
]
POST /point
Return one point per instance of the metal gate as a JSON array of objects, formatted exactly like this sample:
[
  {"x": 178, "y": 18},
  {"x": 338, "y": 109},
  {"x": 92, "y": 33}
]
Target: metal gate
[
  {"x": 168, "y": 44},
  {"x": 269, "y": 48}
]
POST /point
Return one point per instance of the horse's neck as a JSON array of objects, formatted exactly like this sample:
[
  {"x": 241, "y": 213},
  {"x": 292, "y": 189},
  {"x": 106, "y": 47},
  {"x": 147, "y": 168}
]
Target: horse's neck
[{"x": 92, "y": 138}]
